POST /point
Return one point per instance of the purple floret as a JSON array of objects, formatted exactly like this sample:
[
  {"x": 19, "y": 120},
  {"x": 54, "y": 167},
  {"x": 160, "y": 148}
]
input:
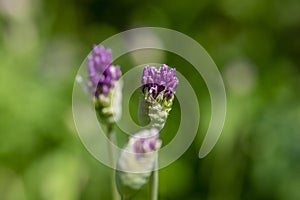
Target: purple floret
[
  {"x": 160, "y": 80},
  {"x": 102, "y": 74},
  {"x": 144, "y": 145}
]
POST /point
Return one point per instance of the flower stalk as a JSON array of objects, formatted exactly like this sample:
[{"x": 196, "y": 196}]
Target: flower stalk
[
  {"x": 105, "y": 87},
  {"x": 158, "y": 87},
  {"x": 154, "y": 181},
  {"x": 112, "y": 155}
]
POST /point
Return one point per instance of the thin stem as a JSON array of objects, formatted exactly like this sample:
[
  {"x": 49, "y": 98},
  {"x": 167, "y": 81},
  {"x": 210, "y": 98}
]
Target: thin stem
[
  {"x": 125, "y": 198},
  {"x": 154, "y": 181},
  {"x": 112, "y": 155}
]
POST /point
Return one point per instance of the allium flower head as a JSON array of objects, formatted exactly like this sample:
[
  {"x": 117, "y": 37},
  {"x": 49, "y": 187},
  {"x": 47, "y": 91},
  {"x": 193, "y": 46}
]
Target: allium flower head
[
  {"x": 158, "y": 87},
  {"x": 137, "y": 160},
  {"x": 159, "y": 82},
  {"x": 102, "y": 74},
  {"x": 104, "y": 85}
]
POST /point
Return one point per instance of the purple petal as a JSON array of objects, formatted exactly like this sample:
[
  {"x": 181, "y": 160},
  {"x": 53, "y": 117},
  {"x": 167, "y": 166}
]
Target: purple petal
[{"x": 159, "y": 80}]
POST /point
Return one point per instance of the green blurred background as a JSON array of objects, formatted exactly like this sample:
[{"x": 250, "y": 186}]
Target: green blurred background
[{"x": 255, "y": 44}]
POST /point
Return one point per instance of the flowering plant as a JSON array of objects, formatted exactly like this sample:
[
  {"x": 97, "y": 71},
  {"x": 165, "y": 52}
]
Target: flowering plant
[
  {"x": 137, "y": 162},
  {"x": 158, "y": 87},
  {"x": 103, "y": 84}
]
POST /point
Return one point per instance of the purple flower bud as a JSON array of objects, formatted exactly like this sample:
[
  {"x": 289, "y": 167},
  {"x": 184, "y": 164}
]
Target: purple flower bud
[
  {"x": 140, "y": 148},
  {"x": 158, "y": 86},
  {"x": 145, "y": 143},
  {"x": 102, "y": 74},
  {"x": 137, "y": 161},
  {"x": 159, "y": 81},
  {"x": 104, "y": 84}
]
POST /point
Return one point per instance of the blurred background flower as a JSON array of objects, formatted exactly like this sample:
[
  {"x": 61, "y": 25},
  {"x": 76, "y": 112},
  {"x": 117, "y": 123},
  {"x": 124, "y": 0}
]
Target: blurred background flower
[
  {"x": 137, "y": 161},
  {"x": 254, "y": 43}
]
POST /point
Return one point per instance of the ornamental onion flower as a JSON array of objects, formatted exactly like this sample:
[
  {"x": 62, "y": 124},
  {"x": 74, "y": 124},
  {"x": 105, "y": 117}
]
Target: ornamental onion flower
[
  {"x": 158, "y": 87},
  {"x": 136, "y": 161},
  {"x": 104, "y": 85}
]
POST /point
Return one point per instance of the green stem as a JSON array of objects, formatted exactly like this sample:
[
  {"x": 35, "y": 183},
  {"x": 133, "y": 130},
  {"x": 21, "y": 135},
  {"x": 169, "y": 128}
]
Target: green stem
[
  {"x": 112, "y": 155},
  {"x": 125, "y": 198},
  {"x": 154, "y": 181}
]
